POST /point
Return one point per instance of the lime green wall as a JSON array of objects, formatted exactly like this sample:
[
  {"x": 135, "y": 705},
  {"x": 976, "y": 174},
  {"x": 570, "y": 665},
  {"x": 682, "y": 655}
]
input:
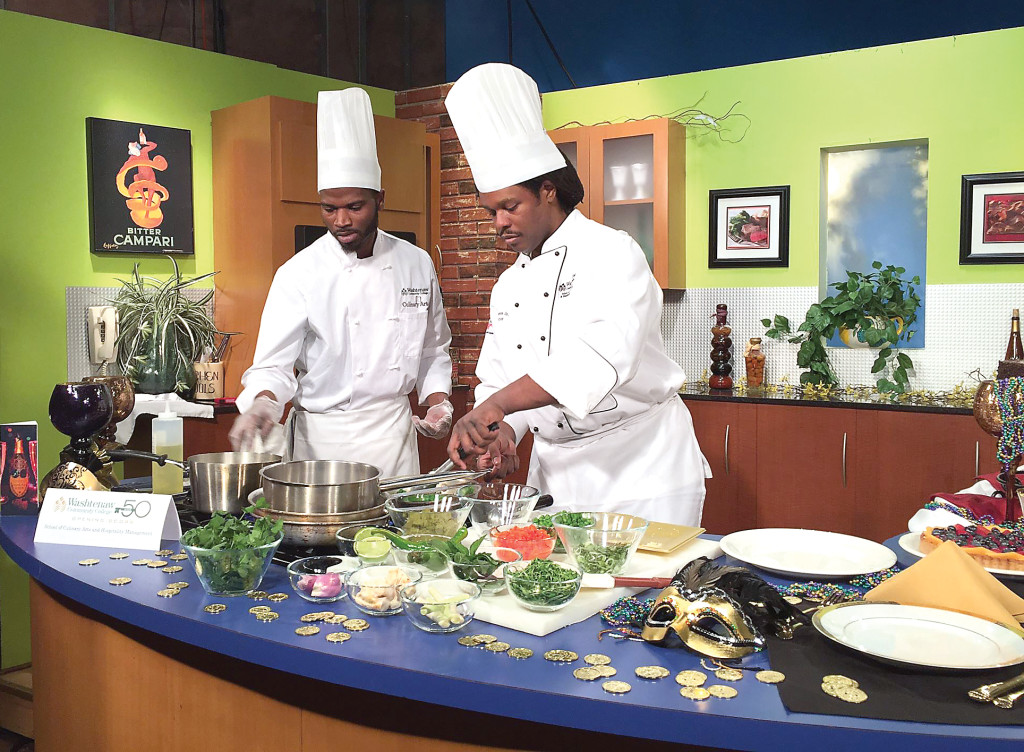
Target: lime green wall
[
  {"x": 957, "y": 92},
  {"x": 55, "y": 76}
]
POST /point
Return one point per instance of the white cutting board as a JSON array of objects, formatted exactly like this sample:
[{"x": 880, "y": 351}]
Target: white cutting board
[{"x": 504, "y": 611}]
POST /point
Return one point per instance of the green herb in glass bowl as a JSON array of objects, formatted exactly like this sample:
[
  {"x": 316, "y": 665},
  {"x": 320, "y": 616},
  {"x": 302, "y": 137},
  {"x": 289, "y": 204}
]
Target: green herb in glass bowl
[
  {"x": 231, "y": 555},
  {"x": 542, "y": 584},
  {"x": 547, "y": 522},
  {"x": 605, "y": 544}
]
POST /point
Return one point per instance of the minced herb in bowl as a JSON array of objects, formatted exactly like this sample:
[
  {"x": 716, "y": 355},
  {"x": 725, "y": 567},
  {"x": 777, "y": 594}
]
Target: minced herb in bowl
[
  {"x": 605, "y": 543},
  {"x": 542, "y": 584}
]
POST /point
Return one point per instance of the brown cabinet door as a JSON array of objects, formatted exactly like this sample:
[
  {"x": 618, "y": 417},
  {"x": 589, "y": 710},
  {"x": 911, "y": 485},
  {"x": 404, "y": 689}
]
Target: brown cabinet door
[
  {"x": 727, "y": 435},
  {"x": 805, "y": 462}
]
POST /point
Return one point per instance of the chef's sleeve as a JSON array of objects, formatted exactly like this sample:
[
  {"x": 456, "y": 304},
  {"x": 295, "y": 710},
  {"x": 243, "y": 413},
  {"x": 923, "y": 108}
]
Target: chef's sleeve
[
  {"x": 282, "y": 333},
  {"x": 619, "y": 303},
  {"x": 493, "y": 377},
  {"x": 435, "y": 370}
]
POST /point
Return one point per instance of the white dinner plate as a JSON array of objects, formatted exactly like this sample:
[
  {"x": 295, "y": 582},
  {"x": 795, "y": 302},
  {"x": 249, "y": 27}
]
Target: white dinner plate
[
  {"x": 807, "y": 553},
  {"x": 922, "y": 637},
  {"x": 911, "y": 543}
]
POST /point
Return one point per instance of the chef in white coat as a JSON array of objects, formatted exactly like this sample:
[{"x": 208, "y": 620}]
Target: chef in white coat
[
  {"x": 352, "y": 323},
  {"x": 573, "y": 351}
]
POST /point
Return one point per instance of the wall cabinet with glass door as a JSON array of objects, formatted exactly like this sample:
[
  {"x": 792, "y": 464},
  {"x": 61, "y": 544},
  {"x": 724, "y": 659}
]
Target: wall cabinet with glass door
[{"x": 634, "y": 177}]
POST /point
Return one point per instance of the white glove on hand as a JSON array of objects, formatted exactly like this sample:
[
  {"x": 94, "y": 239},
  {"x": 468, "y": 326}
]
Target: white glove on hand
[
  {"x": 258, "y": 419},
  {"x": 437, "y": 422}
]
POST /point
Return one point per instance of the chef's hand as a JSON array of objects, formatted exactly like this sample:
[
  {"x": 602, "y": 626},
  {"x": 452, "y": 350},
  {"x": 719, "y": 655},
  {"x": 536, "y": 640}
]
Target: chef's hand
[
  {"x": 501, "y": 455},
  {"x": 436, "y": 422},
  {"x": 260, "y": 418},
  {"x": 475, "y": 432}
]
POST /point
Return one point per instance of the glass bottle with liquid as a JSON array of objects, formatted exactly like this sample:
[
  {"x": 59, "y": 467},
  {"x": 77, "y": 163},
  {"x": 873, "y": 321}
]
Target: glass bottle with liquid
[
  {"x": 754, "y": 360},
  {"x": 168, "y": 438},
  {"x": 1014, "y": 350}
]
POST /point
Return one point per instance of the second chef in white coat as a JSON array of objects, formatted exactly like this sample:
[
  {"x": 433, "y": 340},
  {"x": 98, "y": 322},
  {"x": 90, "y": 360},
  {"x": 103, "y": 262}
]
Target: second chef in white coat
[
  {"x": 352, "y": 323},
  {"x": 573, "y": 352}
]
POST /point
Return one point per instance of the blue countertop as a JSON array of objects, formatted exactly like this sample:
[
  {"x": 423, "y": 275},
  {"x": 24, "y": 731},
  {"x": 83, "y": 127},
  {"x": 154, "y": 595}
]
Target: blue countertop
[{"x": 395, "y": 658}]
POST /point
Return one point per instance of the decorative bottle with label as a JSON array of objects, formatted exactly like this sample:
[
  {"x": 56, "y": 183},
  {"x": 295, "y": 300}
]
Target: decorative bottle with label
[
  {"x": 755, "y": 363},
  {"x": 721, "y": 350},
  {"x": 1014, "y": 350},
  {"x": 19, "y": 477}
]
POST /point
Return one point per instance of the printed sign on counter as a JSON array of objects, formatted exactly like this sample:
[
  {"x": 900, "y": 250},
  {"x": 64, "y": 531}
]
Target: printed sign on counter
[{"x": 107, "y": 519}]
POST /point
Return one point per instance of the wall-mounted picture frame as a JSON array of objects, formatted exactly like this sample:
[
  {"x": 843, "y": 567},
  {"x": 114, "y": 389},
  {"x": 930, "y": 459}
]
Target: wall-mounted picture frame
[
  {"x": 749, "y": 227},
  {"x": 140, "y": 188},
  {"x": 992, "y": 218}
]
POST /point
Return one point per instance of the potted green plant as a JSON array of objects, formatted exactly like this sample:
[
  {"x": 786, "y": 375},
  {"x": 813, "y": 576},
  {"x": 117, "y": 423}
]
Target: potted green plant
[
  {"x": 877, "y": 308},
  {"x": 161, "y": 333}
]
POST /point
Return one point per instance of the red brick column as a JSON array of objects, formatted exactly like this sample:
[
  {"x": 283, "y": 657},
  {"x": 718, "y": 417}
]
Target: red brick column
[{"x": 471, "y": 256}]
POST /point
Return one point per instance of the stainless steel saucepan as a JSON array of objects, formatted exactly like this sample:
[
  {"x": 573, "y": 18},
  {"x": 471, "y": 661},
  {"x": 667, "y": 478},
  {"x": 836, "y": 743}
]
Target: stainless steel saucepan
[{"x": 222, "y": 481}]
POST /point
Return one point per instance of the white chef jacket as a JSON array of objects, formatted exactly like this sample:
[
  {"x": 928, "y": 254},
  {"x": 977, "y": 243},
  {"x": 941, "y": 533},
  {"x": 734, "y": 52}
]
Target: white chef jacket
[
  {"x": 343, "y": 334},
  {"x": 583, "y": 320}
]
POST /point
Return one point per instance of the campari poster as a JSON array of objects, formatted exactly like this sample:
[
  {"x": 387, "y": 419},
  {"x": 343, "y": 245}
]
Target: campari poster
[{"x": 140, "y": 187}]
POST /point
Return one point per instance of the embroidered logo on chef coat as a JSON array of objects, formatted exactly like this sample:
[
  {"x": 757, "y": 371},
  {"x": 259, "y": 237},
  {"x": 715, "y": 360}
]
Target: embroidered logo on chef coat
[
  {"x": 564, "y": 288},
  {"x": 415, "y": 297}
]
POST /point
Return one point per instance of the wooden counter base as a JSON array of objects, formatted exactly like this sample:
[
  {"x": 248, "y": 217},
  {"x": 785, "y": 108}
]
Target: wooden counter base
[{"x": 102, "y": 685}]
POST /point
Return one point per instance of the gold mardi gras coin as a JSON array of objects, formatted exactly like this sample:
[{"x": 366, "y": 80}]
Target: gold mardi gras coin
[
  {"x": 839, "y": 680},
  {"x": 163, "y": 552},
  {"x": 334, "y": 618},
  {"x": 720, "y": 690},
  {"x": 520, "y": 653},
  {"x": 259, "y": 609},
  {"x": 267, "y": 616},
  {"x": 855, "y": 695},
  {"x": 729, "y": 674},
  {"x": 587, "y": 673},
  {"x": 355, "y": 625},
  {"x": 561, "y": 656},
  {"x": 171, "y": 569},
  {"x": 616, "y": 687},
  {"x": 770, "y": 677},
  {"x": 792, "y": 599},
  {"x": 497, "y": 646},
  {"x": 156, "y": 563},
  {"x": 483, "y": 639},
  {"x": 215, "y": 608},
  {"x": 120, "y": 580},
  {"x": 338, "y": 637},
  {"x": 651, "y": 672},
  {"x": 168, "y": 592},
  {"x": 315, "y": 616},
  {"x": 119, "y": 555},
  {"x": 277, "y": 597},
  {"x": 691, "y": 678},
  {"x": 606, "y": 671},
  {"x": 468, "y": 641},
  {"x": 830, "y": 689},
  {"x": 178, "y": 557},
  {"x": 140, "y": 562},
  {"x": 179, "y": 585},
  {"x": 597, "y": 659},
  {"x": 88, "y": 562},
  {"x": 694, "y": 693},
  {"x": 308, "y": 630},
  {"x": 257, "y": 595}
]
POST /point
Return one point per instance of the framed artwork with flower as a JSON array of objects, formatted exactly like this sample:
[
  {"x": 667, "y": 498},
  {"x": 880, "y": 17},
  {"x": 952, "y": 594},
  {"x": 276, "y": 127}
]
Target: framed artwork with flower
[
  {"x": 992, "y": 218},
  {"x": 749, "y": 227}
]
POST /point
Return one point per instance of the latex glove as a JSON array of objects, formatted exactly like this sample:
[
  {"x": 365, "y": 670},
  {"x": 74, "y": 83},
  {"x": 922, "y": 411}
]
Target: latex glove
[
  {"x": 501, "y": 457},
  {"x": 260, "y": 419},
  {"x": 437, "y": 422}
]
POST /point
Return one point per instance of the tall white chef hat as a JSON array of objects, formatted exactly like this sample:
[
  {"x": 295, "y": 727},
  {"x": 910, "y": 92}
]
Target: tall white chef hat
[
  {"x": 346, "y": 144},
  {"x": 495, "y": 109}
]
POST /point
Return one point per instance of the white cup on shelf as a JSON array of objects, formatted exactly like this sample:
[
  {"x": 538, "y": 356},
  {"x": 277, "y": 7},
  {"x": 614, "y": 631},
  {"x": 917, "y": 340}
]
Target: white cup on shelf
[
  {"x": 641, "y": 175},
  {"x": 620, "y": 175}
]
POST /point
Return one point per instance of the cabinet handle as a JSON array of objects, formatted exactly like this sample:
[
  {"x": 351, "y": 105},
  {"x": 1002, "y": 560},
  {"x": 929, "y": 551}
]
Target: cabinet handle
[
  {"x": 844, "y": 460},
  {"x": 727, "y": 449},
  {"x": 977, "y": 454}
]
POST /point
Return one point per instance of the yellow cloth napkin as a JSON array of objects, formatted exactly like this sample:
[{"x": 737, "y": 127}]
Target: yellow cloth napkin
[{"x": 949, "y": 578}]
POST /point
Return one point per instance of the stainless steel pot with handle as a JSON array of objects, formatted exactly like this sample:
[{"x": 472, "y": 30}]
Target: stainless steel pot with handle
[
  {"x": 222, "y": 481},
  {"x": 321, "y": 486}
]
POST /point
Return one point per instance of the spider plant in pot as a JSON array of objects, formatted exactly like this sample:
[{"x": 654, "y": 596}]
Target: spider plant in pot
[
  {"x": 875, "y": 310},
  {"x": 162, "y": 332}
]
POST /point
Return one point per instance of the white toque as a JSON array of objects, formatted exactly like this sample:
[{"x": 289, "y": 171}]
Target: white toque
[
  {"x": 346, "y": 145},
  {"x": 495, "y": 109}
]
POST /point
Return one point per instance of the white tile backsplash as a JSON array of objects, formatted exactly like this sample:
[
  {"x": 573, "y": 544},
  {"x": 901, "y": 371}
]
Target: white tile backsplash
[{"x": 966, "y": 328}]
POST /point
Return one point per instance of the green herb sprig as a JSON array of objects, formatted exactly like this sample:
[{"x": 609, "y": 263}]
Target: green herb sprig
[{"x": 544, "y": 583}]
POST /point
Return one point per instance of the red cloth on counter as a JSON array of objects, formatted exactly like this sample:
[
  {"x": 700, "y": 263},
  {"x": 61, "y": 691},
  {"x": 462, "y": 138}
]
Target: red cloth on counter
[{"x": 978, "y": 505}]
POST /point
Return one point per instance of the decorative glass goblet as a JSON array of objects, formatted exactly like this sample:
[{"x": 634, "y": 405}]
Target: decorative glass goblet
[{"x": 80, "y": 410}]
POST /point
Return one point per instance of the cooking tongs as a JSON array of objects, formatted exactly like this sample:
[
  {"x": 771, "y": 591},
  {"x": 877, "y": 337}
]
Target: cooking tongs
[{"x": 443, "y": 474}]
